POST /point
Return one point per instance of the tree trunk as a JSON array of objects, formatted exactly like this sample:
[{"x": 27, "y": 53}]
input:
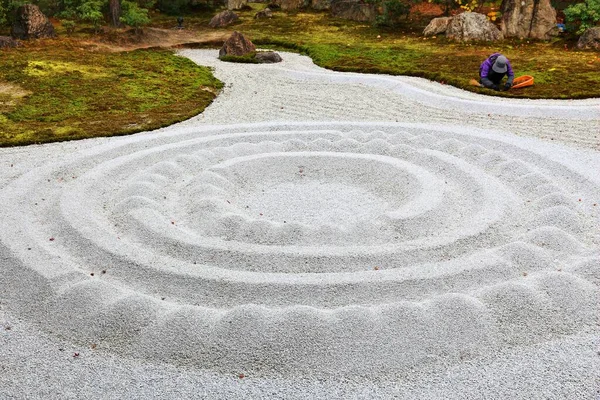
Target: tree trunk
[{"x": 115, "y": 12}]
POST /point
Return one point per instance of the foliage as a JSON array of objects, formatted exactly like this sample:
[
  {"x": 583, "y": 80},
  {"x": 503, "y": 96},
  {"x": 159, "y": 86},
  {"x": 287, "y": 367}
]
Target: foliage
[
  {"x": 7, "y": 9},
  {"x": 447, "y": 5},
  {"x": 467, "y": 5},
  {"x": 133, "y": 15},
  {"x": 91, "y": 11},
  {"x": 393, "y": 10},
  {"x": 583, "y": 15}
]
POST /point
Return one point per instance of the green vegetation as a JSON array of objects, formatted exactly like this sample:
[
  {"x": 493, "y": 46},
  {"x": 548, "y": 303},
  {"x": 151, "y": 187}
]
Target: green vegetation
[
  {"x": 249, "y": 58},
  {"x": 559, "y": 70},
  {"x": 62, "y": 91},
  {"x": 583, "y": 15},
  {"x": 134, "y": 15}
]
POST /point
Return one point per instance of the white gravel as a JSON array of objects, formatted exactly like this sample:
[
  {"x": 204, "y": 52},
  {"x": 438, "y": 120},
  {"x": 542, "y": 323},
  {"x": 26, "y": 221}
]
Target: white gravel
[{"x": 311, "y": 235}]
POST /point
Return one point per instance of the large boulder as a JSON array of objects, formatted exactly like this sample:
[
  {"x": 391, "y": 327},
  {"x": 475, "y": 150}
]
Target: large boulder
[
  {"x": 236, "y": 4},
  {"x": 472, "y": 26},
  {"x": 590, "y": 39},
  {"x": 290, "y": 5},
  {"x": 31, "y": 23},
  {"x": 223, "y": 19},
  {"x": 437, "y": 26},
  {"x": 237, "y": 45},
  {"x": 320, "y": 4},
  {"x": 354, "y": 10},
  {"x": 7, "y": 41},
  {"x": 533, "y": 19}
]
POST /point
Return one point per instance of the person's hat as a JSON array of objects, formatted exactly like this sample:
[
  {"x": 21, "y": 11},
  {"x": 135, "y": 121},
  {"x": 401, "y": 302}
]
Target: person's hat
[{"x": 500, "y": 65}]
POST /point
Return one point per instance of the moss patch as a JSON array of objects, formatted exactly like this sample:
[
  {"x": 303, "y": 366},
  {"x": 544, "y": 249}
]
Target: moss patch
[
  {"x": 559, "y": 70},
  {"x": 249, "y": 58},
  {"x": 75, "y": 93}
]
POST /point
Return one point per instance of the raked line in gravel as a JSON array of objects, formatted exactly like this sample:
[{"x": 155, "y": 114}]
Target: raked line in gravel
[{"x": 389, "y": 258}]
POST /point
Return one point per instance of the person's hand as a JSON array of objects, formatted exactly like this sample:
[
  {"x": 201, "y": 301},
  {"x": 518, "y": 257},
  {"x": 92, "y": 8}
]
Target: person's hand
[
  {"x": 507, "y": 86},
  {"x": 495, "y": 87}
]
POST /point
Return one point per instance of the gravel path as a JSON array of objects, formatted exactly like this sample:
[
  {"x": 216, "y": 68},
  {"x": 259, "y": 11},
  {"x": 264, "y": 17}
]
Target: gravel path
[{"x": 311, "y": 235}]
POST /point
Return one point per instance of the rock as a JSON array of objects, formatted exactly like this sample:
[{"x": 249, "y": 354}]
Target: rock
[
  {"x": 437, "y": 26},
  {"x": 237, "y": 45},
  {"x": 289, "y": 5},
  {"x": 320, "y": 5},
  {"x": 268, "y": 57},
  {"x": 236, "y": 4},
  {"x": 30, "y": 23},
  {"x": 7, "y": 41},
  {"x": 472, "y": 26},
  {"x": 590, "y": 39},
  {"x": 527, "y": 18},
  {"x": 266, "y": 13},
  {"x": 354, "y": 10},
  {"x": 554, "y": 32},
  {"x": 222, "y": 19}
]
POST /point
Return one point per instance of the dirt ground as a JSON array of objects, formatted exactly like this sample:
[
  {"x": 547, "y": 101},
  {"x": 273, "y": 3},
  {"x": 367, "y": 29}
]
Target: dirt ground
[{"x": 127, "y": 40}]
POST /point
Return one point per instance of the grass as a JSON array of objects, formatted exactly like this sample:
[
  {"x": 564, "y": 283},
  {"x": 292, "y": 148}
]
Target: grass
[
  {"x": 560, "y": 71},
  {"x": 62, "y": 91}
]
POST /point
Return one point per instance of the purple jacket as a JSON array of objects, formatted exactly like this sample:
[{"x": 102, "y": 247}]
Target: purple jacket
[{"x": 486, "y": 68}]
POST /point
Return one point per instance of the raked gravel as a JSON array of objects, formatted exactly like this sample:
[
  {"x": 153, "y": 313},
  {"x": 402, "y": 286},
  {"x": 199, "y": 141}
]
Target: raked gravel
[{"x": 312, "y": 234}]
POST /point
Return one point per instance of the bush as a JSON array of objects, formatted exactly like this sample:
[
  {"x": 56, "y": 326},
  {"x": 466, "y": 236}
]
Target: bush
[
  {"x": 7, "y": 9},
  {"x": 583, "y": 15},
  {"x": 393, "y": 10},
  {"x": 91, "y": 11},
  {"x": 133, "y": 15}
]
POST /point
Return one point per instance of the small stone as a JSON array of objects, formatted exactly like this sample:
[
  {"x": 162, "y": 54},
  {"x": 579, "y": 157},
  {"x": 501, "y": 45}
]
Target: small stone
[{"x": 268, "y": 57}]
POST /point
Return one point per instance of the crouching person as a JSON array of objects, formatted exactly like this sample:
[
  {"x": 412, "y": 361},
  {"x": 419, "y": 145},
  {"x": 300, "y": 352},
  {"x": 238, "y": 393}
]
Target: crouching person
[{"x": 493, "y": 70}]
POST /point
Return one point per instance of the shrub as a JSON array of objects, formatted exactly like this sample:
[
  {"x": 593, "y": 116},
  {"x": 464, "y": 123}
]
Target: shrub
[
  {"x": 91, "y": 11},
  {"x": 583, "y": 15},
  {"x": 133, "y": 15},
  {"x": 7, "y": 9}
]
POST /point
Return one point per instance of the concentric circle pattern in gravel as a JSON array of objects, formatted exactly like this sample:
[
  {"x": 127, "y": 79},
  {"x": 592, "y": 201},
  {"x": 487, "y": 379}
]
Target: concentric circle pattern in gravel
[{"x": 374, "y": 251}]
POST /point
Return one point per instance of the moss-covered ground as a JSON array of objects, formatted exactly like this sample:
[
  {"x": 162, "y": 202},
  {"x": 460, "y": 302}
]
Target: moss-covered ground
[
  {"x": 58, "y": 90},
  {"x": 560, "y": 71}
]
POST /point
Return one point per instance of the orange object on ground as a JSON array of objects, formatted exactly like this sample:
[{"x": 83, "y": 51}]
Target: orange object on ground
[{"x": 522, "y": 81}]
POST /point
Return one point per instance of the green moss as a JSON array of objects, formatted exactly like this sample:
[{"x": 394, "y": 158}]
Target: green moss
[
  {"x": 77, "y": 93},
  {"x": 359, "y": 47},
  {"x": 249, "y": 58}
]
